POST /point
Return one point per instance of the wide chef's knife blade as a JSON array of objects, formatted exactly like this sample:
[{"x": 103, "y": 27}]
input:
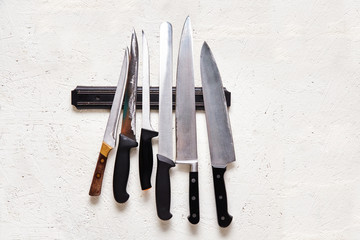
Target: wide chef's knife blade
[
  {"x": 219, "y": 130},
  {"x": 165, "y": 155},
  {"x": 111, "y": 129},
  {"x": 147, "y": 132},
  {"x": 127, "y": 139},
  {"x": 186, "y": 145}
]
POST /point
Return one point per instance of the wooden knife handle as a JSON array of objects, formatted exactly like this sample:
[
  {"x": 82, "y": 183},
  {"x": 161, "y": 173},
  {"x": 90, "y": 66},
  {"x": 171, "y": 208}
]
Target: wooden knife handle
[
  {"x": 146, "y": 157},
  {"x": 95, "y": 188},
  {"x": 224, "y": 218},
  {"x": 162, "y": 187},
  {"x": 122, "y": 167},
  {"x": 194, "y": 216}
]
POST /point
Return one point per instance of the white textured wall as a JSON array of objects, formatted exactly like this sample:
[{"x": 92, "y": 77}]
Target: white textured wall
[{"x": 293, "y": 69}]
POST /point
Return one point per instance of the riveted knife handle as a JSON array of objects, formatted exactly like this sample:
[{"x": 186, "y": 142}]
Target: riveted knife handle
[
  {"x": 146, "y": 157},
  {"x": 224, "y": 218},
  {"x": 95, "y": 188},
  {"x": 162, "y": 188},
  {"x": 194, "y": 216},
  {"x": 122, "y": 167}
]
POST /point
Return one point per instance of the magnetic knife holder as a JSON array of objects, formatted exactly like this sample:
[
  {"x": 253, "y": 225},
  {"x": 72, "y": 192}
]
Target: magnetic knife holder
[{"x": 90, "y": 97}]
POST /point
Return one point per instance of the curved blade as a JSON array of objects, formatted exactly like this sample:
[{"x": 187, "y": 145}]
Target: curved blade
[
  {"x": 186, "y": 146},
  {"x": 146, "y": 86},
  {"x": 112, "y": 125},
  {"x": 217, "y": 118},
  {"x": 165, "y": 91},
  {"x": 129, "y": 113}
]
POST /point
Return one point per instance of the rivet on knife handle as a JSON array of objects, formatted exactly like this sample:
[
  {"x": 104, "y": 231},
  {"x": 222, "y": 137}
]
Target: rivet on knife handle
[
  {"x": 163, "y": 188},
  {"x": 95, "y": 188},
  {"x": 224, "y": 218},
  {"x": 146, "y": 157},
  {"x": 122, "y": 167}
]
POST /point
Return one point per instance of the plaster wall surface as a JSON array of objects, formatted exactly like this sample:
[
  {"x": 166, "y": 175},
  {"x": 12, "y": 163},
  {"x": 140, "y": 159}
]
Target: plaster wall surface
[{"x": 293, "y": 68}]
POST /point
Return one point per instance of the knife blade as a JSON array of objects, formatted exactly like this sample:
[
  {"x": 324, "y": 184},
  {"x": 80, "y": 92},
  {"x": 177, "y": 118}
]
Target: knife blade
[
  {"x": 186, "y": 141},
  {"x": 219, "y": 130},
  {"x": 111, "y": 129},
  {"x": 165, "y": 154},
  {"x": 127, "y": 138},
  {"x": 147, "y": 132}
]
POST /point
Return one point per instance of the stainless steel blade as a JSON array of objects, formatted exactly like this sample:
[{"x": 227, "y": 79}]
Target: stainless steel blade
[
  {"x": 186, "y": 141},
  {"x": 165, "y": 91},
  {"x": 146, "y": 86},
  {"x": 217, "y": 118},
  {"x": 129, "y": 113},
  {"x": 113, "y": 121}
]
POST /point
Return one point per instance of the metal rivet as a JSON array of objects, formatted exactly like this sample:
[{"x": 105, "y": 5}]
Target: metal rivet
[
  {"x": 98, "y": 175},
  {"x": 193, "y": 198},
  {"x": 218, "y": 176},
  {"x": 222, "y": 218},
  {"x": 194, "y": 215},
  {"x": 193, "y": 180},
  {"x": 220, "y": 197},
  {"x": 102, "y": 160}
]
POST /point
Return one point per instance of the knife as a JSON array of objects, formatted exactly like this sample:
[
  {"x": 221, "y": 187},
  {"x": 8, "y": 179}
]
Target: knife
[
  {"x": 219, "y": 130},
  {"x": 165, "y": 155},
  {"x": 127, "y": 138},
  {"x": 186, "y": 145},
  {"x": 147, "y": 132},
  {"x": 111, "y": 129}
]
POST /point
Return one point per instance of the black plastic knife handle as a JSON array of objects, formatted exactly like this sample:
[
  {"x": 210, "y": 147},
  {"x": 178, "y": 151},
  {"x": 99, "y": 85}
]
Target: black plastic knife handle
[
  {"x": 194, "y": 216},
  {"x": 146, "y": 157},
  {"x": 224, "y": 219},
  {"x": 162, "y": 187},
  {"x": 122, "y": 167}
]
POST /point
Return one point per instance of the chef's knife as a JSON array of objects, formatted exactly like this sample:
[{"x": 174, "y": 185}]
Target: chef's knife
[
  {"x": 165, "y": 155},
  {"x": 219, "y": 130},
  {"x": 186, "y": 145},
  {"x": 127, "y": 138},
  {"x": 111, "y": 129},
  {"x": 147, "y": 132}
]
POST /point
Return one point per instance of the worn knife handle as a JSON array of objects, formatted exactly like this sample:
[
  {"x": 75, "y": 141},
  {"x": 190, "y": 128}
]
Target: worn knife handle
[
  {"x": 95, "y": 188},
  {"x": 162, "y": 187},
  {"x": 122, "y": 167},
  {"x": 146, "y": 157},
  {"x": 194, "y": 216},
  {"x": 224, "y": 218}
]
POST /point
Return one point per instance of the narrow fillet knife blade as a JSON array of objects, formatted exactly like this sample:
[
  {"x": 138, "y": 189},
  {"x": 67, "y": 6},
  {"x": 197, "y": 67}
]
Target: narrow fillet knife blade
[
  {"x": 219, "y": 130},
  {"x": 186, "y": 145},
  {"x": 127, "y": 138},
  {"x": 165, "y": 155},
  {"x": 147, "y": 132},
  {"x": 111, "y": 129}
]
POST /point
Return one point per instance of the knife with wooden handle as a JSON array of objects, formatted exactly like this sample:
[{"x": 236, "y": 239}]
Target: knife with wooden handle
[
  {"x": 127, "y": 138},
  {"x": 147, "y": 132},
  {"x": 165, "y": 154},
  {"x": 186, "y": 141},
  {"x": 111, "y": 130},
  {"x": 219, "y": 130}
]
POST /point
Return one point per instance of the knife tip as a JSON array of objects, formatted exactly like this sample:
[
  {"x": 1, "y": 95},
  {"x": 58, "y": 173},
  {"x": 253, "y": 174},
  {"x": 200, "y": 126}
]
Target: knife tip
[{"x": 166, "y": 25}]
